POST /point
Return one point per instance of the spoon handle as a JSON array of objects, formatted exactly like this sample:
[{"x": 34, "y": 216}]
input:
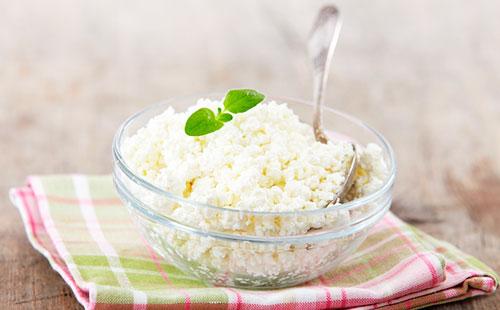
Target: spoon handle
[{"x": 322, "y": 42}]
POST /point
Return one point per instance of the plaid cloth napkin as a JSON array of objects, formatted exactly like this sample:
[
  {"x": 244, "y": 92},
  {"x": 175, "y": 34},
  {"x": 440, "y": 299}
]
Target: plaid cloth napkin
[{"x": 78, "y": 223}]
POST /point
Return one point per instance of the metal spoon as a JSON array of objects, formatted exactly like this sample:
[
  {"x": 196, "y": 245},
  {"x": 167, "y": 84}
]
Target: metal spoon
[{"x": 322, "y": 42}]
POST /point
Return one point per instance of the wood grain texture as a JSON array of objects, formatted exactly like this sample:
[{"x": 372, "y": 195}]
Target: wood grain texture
[{"x": 426, "y": 73}]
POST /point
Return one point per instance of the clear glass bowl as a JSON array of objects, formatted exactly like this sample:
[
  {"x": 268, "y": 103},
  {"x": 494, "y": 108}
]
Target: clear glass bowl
[{"x": 232, "y": 252}]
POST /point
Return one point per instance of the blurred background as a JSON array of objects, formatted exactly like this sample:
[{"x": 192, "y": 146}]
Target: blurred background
[{"x": 425, "y": 73}]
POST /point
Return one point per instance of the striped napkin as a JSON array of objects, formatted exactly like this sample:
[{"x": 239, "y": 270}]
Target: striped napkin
[{"x": 78, "y": 223}]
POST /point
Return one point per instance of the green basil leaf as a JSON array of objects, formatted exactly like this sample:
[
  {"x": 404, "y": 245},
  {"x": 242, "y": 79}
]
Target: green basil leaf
[
  {"x": 202, "y": 122},
  {"x": 225, "y": 117},
  {"x": 242, "y": 100}
]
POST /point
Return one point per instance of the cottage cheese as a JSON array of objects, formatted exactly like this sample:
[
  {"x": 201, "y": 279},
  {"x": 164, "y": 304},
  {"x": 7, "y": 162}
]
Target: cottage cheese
[{"x": 265, "y": 159}]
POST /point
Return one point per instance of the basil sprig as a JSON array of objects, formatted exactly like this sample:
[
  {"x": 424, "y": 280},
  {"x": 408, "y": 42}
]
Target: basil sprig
[{"x": 205, "y": 121}]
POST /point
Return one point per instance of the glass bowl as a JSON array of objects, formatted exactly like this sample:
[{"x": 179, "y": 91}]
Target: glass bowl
[{"x": 232, "y": 253}]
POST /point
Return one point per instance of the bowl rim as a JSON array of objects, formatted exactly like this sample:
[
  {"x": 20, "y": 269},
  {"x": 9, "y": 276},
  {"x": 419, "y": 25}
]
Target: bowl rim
[{"x": 120, "y": 161}]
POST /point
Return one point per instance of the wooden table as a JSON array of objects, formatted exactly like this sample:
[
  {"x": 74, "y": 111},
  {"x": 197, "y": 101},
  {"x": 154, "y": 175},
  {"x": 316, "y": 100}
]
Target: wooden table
[{"x": 426, "y": 73}]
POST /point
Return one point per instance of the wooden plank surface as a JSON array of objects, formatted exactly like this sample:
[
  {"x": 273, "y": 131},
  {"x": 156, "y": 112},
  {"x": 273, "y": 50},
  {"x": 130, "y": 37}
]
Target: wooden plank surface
[{"x": 426, "y": 73}]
